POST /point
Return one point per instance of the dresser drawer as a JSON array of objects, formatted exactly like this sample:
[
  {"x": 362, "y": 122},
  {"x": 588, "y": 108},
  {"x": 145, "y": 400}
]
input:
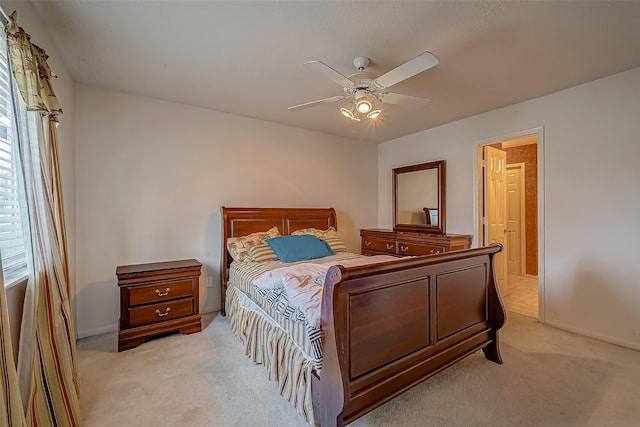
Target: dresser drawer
[
  {"x": 417, "y": 249},
  {"x": 374, "y": 253},
  {"x": 159, "y": 312},
  {"x": 161, "y": 291},
  {"x": 380, "y": 245},
  {"x": 376, "y": 241}
]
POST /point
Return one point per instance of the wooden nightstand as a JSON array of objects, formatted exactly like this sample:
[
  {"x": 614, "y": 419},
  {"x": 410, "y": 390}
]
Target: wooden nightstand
[{"x": 158, "y": 298}]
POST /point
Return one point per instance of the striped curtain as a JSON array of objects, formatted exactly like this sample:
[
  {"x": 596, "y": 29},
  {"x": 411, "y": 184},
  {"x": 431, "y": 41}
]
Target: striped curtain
[
  {"x": 12, "y": 414},
  {"x": 47, "y": 365}
]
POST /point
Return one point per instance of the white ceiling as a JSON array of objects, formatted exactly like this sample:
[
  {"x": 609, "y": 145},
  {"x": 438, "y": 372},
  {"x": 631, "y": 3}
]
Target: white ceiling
[{"x": 246, "y": 57}]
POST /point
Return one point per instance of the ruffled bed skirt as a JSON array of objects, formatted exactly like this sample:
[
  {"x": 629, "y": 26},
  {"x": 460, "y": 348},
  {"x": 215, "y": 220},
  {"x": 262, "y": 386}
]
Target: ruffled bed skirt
[{"x": 268, "y": 344}]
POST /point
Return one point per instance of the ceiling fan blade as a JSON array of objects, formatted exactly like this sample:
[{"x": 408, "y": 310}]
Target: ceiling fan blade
[
  {"x": 334, "y": 75},
  {"x": 398, "y": 98},
  {"x": 420, "y": 63},
  {"x": 319, "y": 101}
]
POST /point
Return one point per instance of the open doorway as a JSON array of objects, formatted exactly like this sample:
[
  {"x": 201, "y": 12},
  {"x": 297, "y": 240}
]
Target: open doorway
[{"x": 508, "y": 213}]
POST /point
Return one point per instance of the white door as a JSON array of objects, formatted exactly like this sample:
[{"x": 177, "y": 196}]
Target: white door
[
  {"x": 495, "y": 178},
  {"x": 515, "y": 213}
]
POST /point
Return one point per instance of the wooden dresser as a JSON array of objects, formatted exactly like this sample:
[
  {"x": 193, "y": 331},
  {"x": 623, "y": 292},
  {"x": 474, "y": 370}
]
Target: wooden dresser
[
  {"x": 157, "y": 298},
  {"x": 378, "y": 241}
]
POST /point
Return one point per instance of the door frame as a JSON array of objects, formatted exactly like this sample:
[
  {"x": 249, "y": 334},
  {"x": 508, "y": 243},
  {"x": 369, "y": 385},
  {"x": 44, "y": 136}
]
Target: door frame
[
  {"x": 478, "y": 196},
  {"x": 523, "y": 234}
]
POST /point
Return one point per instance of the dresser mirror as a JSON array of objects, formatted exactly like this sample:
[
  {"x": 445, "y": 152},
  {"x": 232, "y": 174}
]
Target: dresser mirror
[{"x": 418, "y": 198}]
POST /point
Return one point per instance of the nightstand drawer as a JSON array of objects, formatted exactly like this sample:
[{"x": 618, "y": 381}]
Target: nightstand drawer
[
  {"x": 161, "y": 291},
  {"x": 387, "y": 246},
  {"x": 160, "y": 312},
  {"x": 416, "y": 249}
]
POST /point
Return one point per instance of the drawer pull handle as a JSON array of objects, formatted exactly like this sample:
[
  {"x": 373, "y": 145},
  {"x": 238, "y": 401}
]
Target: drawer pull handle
[
  {"x": 404, "y": 248},
  {"x": 163, "y": 294},
  {"x": 161, "y": 314},
  {"x": 367, "y": 243},
  {"x": 389, "y": 246}
]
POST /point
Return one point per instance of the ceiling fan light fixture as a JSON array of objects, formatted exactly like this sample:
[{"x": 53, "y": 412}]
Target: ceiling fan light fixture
[
  {"x": 347, "y": 113},
  {"x": 364, "y": 106},
  {"x": 374, "y": 114}
]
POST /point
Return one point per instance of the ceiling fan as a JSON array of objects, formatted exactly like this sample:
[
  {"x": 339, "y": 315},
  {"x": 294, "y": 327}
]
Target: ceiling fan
[{"x": 369, "y": 91}]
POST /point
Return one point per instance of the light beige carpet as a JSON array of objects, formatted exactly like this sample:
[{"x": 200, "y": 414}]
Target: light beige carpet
[{"x": 549, "y": 378}]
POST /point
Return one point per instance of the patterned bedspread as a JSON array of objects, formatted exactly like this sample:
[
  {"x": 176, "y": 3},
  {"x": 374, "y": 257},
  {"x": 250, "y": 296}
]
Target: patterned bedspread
[{"x": 292, "y": 294}]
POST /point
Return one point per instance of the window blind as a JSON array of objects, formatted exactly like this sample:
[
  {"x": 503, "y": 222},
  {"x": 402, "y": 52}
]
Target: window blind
[{"x": 12, "y": 248}]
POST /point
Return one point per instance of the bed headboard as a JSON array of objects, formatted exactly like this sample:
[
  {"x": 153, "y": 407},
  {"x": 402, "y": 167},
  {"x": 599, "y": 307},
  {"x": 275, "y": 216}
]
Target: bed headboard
[{"x": 238, "y": 222}]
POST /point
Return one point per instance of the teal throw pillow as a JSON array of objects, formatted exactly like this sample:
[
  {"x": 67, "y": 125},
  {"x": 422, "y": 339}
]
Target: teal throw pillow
[{"x": 299, "y": 248}]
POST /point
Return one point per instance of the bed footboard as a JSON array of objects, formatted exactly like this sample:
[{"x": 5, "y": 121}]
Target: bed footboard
[{"x": 390, "y": 326}]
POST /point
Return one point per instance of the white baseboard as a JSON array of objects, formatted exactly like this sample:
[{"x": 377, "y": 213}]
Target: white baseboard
[
  {"x": 623, "y": 343},
  {"x": 97, "y": 331}
]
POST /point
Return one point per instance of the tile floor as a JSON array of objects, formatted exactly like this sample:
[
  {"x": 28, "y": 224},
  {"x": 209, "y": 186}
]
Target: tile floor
[{"x": 523, "y": 295}]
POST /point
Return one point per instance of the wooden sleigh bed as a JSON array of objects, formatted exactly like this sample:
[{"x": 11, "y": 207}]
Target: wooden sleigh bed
[{"x": 385, "y": 327}]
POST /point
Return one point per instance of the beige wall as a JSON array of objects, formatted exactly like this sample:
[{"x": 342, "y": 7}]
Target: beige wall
[
  {"x": 15, "y": 301},
  {"x": 590, "y": 273},
  {"x": 152, "y": 175}
]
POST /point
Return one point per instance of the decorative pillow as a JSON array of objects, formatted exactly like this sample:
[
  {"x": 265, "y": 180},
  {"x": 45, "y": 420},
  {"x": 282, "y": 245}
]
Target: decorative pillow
[
  {"x": 330, "y": 235},
  {"x": 299, "y": 247},
  {"x": 336, "y": 244},
  {"x": 238, "y": 247},
  {"x": 262, "y": 252}
]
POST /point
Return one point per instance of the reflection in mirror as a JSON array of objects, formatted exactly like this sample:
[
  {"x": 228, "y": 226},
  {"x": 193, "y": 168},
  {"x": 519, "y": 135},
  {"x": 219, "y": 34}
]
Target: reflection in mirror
[
  {"x": 417, "y": 197},
  {"x": 418, "y": 192}
]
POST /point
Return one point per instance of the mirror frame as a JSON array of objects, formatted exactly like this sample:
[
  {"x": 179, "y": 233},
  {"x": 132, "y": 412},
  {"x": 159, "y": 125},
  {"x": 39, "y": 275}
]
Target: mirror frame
[{"x": 421, "y": 228}]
